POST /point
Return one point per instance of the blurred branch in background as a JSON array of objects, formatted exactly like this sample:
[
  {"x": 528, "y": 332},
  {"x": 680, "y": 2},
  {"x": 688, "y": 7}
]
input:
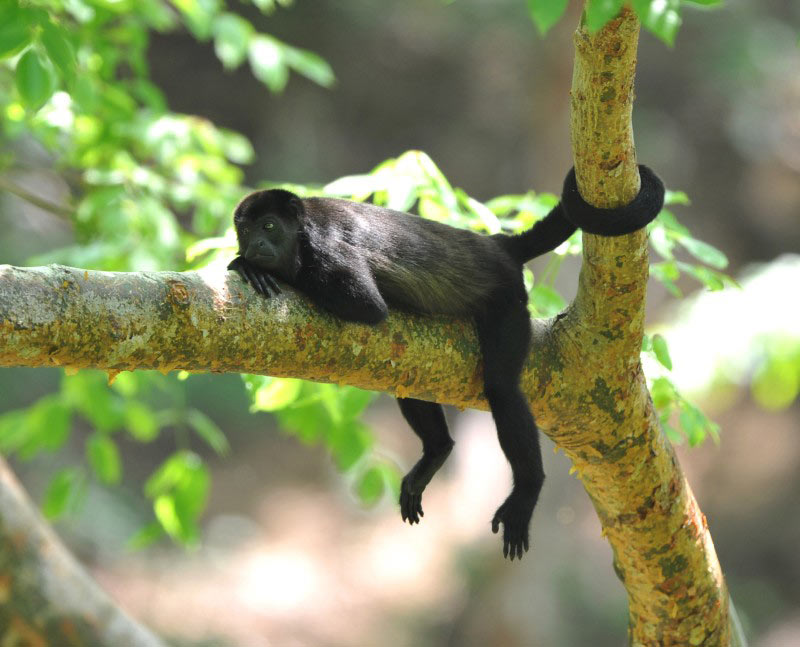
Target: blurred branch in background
[{"x": 37, "y": 572}]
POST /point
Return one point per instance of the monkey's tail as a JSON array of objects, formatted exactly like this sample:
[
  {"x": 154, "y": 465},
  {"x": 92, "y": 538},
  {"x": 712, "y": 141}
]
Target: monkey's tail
[{"x": 544, "y": 236}]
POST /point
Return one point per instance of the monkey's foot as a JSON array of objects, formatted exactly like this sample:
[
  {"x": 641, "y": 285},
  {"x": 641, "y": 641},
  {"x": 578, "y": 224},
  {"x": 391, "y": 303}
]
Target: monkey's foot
[
  {"x": 410, "y": 503},
  {"x": 515, "y": 515}
]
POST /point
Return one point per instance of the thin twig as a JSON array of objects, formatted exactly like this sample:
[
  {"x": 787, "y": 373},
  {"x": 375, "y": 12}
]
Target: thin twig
[{"x": 24, "y": 194}]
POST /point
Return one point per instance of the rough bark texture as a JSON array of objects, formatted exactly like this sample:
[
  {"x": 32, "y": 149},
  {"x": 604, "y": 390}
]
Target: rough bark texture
[
  {"x": 46, "y": 598},
  {"x": 204, "y": 321},
  {"x": 662, "y": 547}
]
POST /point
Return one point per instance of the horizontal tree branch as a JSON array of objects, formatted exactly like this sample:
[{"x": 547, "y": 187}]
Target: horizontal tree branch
[{"x": 213, "y": 322}]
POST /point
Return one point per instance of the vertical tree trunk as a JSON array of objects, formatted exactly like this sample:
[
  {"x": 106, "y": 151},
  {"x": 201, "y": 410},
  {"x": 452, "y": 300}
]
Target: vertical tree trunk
[{"x": 662, "y": 547}]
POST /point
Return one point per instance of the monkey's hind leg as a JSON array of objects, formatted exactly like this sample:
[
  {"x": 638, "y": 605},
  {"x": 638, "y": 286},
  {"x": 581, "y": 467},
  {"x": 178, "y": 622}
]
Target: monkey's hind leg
[
  {"x": 427, "y": 421},
  {"x": 504, "y": 334}
]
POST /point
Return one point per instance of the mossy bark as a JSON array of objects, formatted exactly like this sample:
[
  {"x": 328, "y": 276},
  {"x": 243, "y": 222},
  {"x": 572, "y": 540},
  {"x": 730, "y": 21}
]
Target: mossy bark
[{"x": 663, "y": 552}]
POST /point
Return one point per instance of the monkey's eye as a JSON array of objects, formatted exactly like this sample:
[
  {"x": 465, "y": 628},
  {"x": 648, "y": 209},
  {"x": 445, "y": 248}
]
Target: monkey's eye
[{"x": 269, "y": 225}]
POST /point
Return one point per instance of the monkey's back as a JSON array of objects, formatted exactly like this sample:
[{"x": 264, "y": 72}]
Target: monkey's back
[{"x": 418, "y": 265}]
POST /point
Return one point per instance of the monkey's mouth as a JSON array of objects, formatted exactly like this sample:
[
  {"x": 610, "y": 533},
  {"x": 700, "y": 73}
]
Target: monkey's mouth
[{"x": 259, "y": 258}]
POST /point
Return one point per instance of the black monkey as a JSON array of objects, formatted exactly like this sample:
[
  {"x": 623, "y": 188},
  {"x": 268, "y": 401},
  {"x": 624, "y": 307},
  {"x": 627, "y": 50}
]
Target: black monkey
[{"x": 358, "y": 260}]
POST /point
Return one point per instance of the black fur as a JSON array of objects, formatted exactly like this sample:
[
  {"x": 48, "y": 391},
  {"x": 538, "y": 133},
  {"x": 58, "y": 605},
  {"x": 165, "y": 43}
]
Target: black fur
[
  {"x": 358, "y": 260},
  {"x": 621, "y": 220}
]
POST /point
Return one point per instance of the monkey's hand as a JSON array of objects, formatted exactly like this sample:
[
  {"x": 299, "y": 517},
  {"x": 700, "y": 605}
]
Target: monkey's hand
[
  {"x": 410, "y": 501},
  {"x": 417, "y": 479},
  {"x": 261, "y": 280},
  {"x": 515, "y": 515}
]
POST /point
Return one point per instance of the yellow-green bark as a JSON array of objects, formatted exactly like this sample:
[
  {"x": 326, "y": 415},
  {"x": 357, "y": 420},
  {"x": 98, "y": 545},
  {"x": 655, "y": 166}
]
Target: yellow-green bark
[{"x": 662, "y": 547}]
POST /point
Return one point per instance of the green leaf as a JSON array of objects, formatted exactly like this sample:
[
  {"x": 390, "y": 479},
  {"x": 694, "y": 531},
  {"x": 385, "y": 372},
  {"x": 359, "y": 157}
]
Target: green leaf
[
  {"x": 146, "y": 536},
  {"x": 167, "y": 514},
  {"x": 676, "y": 197},
  {"x": 232, "y": 35},
  {"x": 179, "y": 489},
  {"x": 276, "y": 394},
  {"x": 546, "y": 13},
  {"x": 89, "y": 393},
  {"x": 266, "y": 6},
  {"x": 15, "y": 31},
  {"x": 59, "y": 50},
  {"x": 173, "y": 473},
  {"x": 709, "y": 254},
  {"x": 667, "y": 273},
  {"x": 704, "y": 3},
  {"x": 546, "y": 300},
  {"x": 370, "y": 486},
  {"x": 661, "y": 351},
  {"x": 62, "y": 493},
  {"x": 663, "y": 393},
  {"x": 776, "y": 384},
  {"x": 140, "y": 421},
  {"x": 33, "y": 80},
  {"x": 49, "y": 425},
  {"x": 672, "y": 433},
  {"x": 348, "y": 442},
  {"x": 14, "y": 432},
  {"x": 693, "y": 424},
  {"x": 310, "y": 65},
  {"x": 712, "y": 279},
  {"x": 670, "y": 222},
  {"x": 305, "y": 422},
  {"x": 662, "y": 242},
  {"x": 237, "y": 148},
  {"x": 103, "y": 456},
  {"x": 354, "y": 401},
  {"x": 198, "y": 15},
  {"x": 266, "y": 61},
  {"x": 208, "y": 430},
  {"x": 661, "y": 17},
  {"x": 599, "y": 12}
]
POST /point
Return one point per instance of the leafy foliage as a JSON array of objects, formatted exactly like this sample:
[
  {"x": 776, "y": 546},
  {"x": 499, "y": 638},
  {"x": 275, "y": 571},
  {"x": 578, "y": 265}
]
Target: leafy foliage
[{"x": 661, "y": 17}]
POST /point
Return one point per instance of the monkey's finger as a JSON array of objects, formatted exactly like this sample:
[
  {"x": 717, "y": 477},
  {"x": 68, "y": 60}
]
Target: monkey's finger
[
  {"x": 525, "y": 544},
  {"x": 249, "y": 277},
  {"x": 237, "y": 266},
  {"x": 256, "y": 280},
  {"x": 505, "y": 547},
  {"x": 272, "y": 283},
  {"x": 495, "y": 524},
  {"x": 405, "y": 507},
  {"x": 263, "y": 285},
  {"x": 416, "y": 506}
]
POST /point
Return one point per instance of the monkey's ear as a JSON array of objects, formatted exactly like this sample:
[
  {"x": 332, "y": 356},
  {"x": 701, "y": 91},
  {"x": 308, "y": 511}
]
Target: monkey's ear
[{"x": 295, "y": 207}]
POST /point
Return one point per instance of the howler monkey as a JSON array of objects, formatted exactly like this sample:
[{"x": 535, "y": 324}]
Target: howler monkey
[{"x": 358, "y": 260}]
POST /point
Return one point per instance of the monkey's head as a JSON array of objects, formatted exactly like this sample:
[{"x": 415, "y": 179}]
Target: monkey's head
[{"x": 267, "y": 225}]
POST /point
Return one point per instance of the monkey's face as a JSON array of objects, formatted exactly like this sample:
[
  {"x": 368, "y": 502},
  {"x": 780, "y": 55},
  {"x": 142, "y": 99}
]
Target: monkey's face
[{"x": 268, "y": 241}]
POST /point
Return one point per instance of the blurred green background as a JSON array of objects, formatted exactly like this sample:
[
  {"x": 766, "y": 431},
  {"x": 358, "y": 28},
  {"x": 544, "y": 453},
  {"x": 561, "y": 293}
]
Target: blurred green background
[{"x": 286, "y": 552}]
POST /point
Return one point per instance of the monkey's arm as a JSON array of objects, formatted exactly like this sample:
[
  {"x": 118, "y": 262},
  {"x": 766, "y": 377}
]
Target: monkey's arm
[
  {"x": 349, "y": 292},
  {"x": 260, "y": 279}
]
